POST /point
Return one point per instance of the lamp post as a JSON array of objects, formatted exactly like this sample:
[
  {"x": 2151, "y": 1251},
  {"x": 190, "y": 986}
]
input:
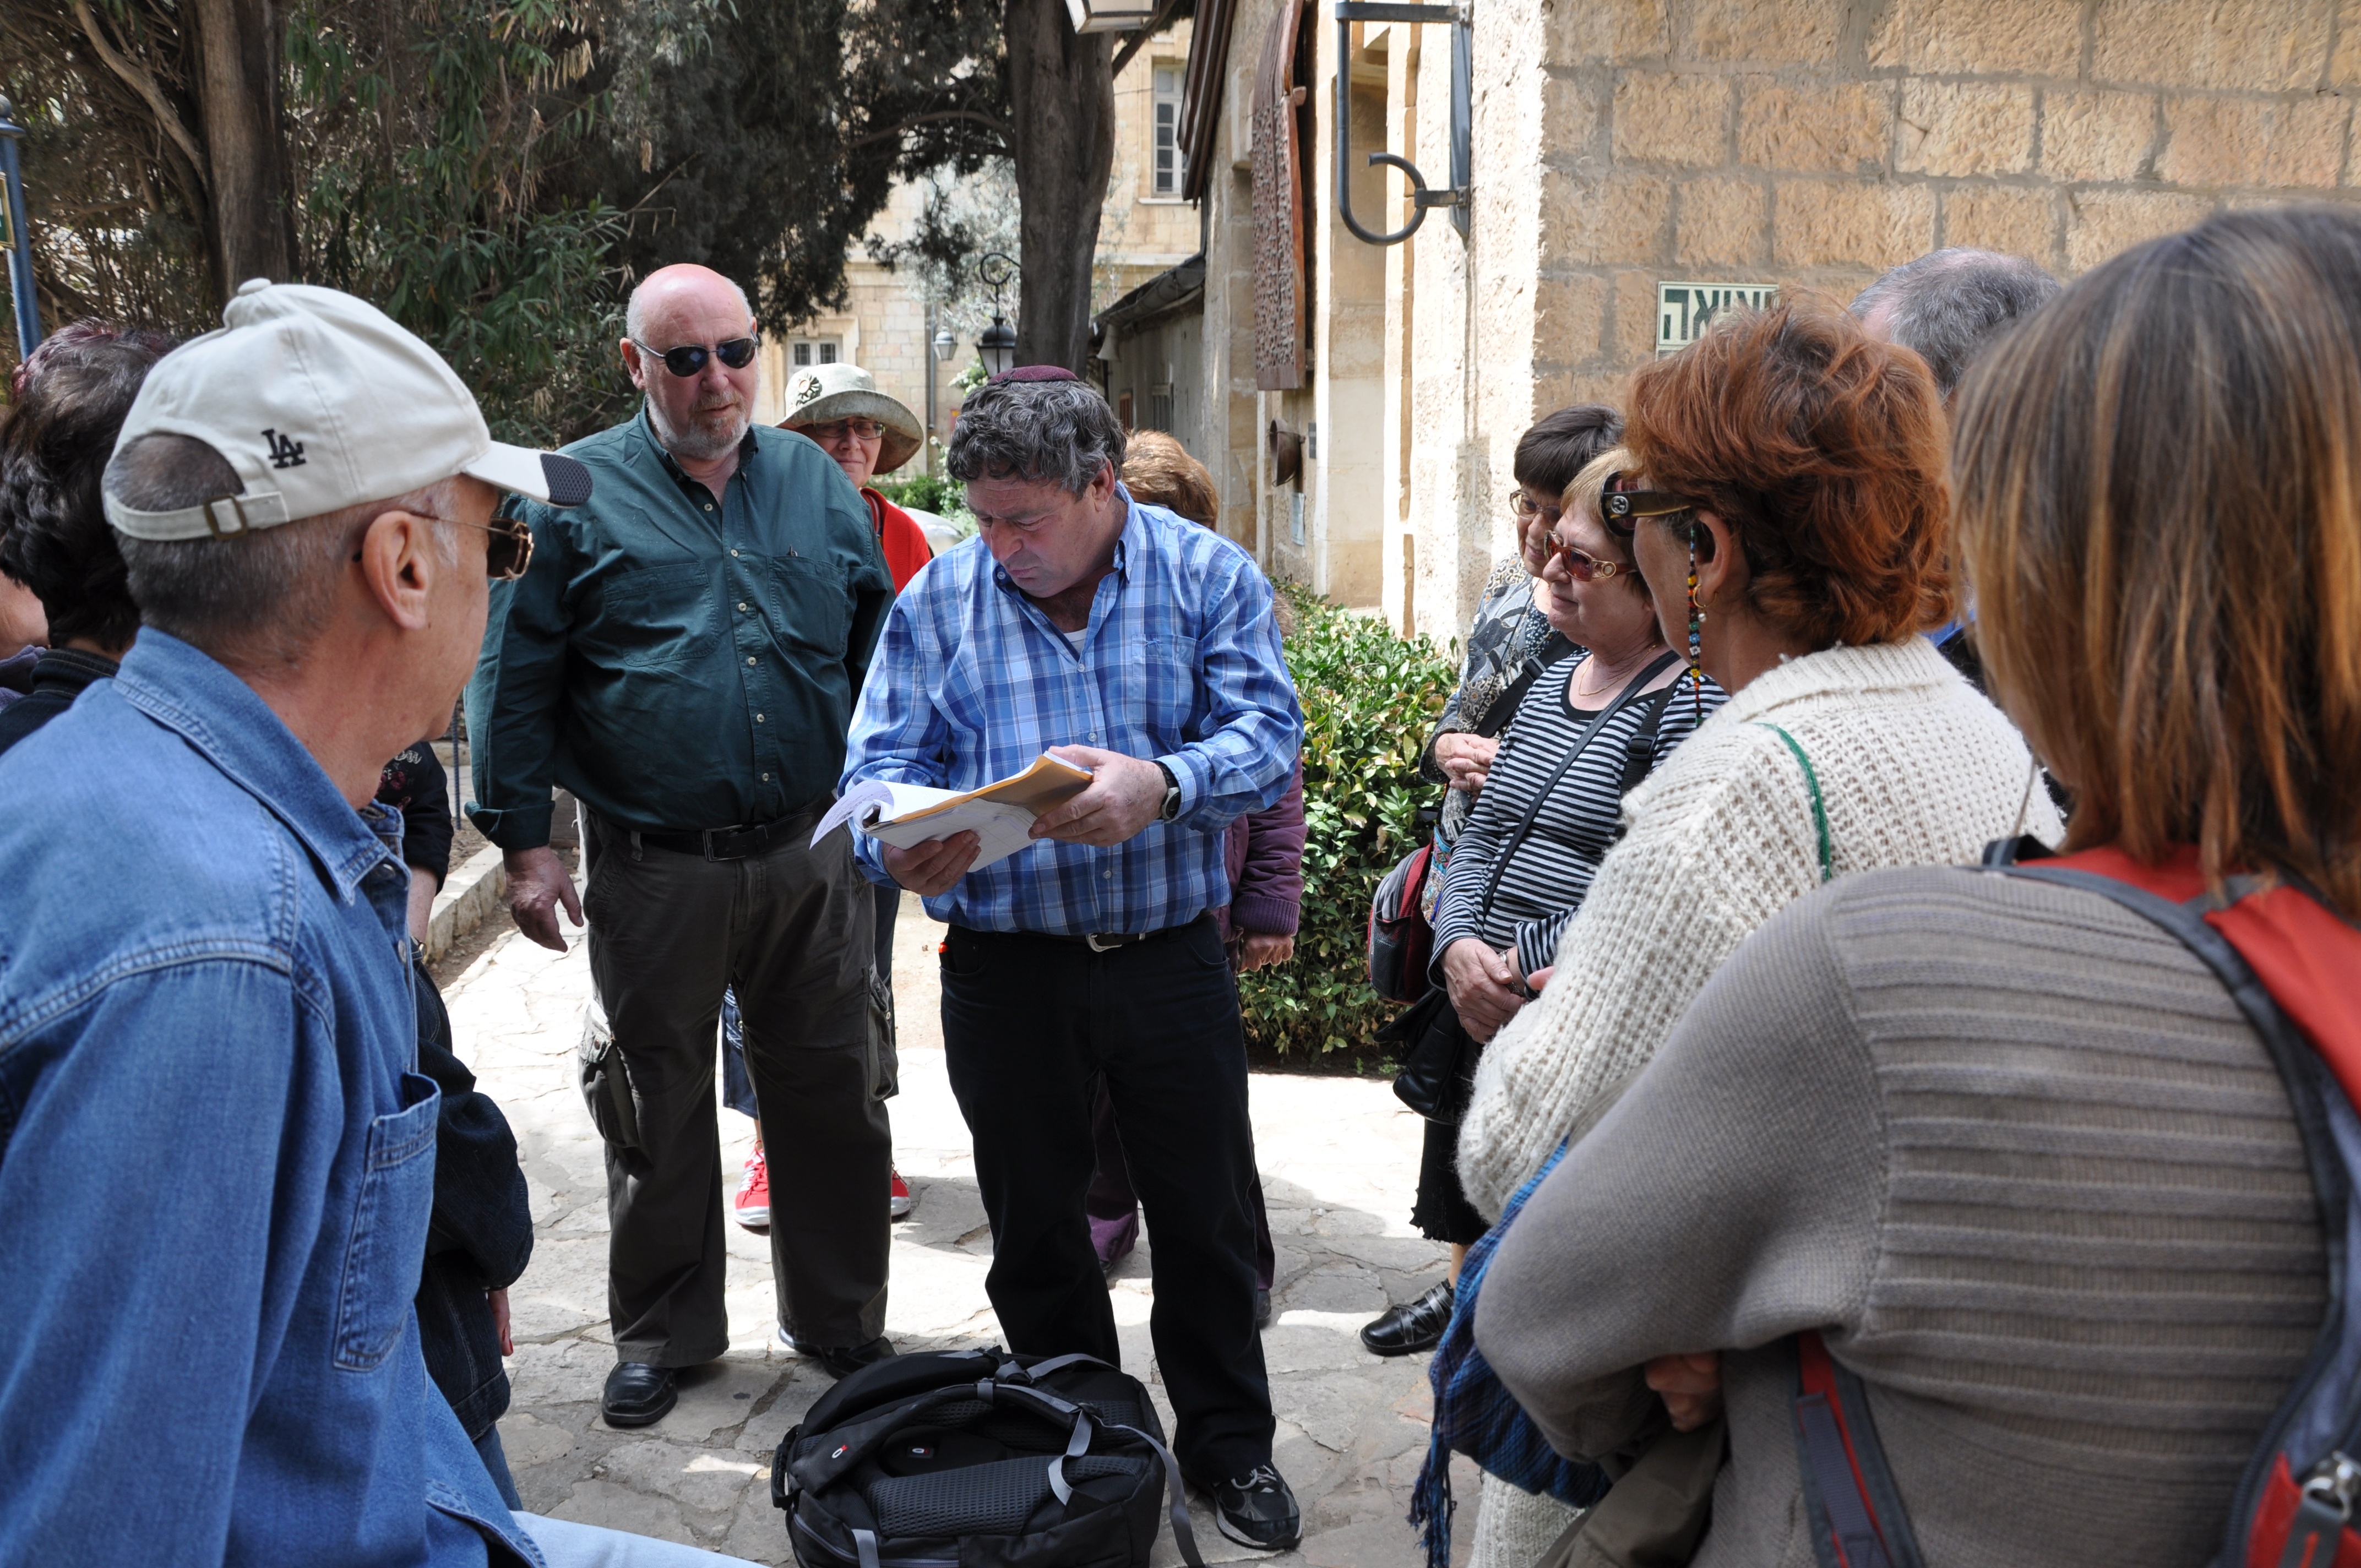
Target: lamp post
[
  {"x": 997, "y": 343},
  {"x": 16, "y": 237}
]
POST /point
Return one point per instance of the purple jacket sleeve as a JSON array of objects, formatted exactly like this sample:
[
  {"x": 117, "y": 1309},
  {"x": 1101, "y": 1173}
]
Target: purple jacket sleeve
[{"x": 1267, "y": 873}]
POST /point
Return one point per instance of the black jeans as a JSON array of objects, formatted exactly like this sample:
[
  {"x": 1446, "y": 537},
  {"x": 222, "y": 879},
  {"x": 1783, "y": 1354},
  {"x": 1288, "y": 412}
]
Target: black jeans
[{"x": 1028, "y": 1022}]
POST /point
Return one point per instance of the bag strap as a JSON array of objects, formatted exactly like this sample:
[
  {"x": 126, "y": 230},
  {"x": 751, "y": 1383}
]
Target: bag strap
[
  {"x": 1819, "y": 807},
  {"x": 1632, "y": 688},
  {"x": 1512, "y": 696},
  {"x": 1855, "y": 1513}
]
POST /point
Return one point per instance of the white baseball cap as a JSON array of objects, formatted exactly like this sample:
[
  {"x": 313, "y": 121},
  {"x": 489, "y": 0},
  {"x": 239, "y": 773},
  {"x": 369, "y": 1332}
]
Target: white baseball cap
[{"x": 321, "y": 401}]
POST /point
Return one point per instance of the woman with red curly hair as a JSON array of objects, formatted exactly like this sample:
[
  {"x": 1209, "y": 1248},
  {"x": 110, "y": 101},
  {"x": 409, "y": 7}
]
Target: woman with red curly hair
[{"x": 1793, "y": 530}]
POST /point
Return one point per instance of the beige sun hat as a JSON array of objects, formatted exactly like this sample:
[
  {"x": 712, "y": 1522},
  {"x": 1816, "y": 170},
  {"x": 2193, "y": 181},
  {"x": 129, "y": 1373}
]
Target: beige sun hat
[{"x": 822, "y": 394}]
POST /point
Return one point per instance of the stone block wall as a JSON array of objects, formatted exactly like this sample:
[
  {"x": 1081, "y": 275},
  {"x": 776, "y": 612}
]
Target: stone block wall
[{"x": 1814, "y": 142}]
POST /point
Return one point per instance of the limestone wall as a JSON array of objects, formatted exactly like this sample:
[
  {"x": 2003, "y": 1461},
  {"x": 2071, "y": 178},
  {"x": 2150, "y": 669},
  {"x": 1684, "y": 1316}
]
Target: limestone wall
[{"x": 1809, "y": 143}]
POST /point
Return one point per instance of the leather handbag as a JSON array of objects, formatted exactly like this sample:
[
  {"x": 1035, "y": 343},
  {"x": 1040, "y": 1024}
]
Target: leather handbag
[
  {"x": 1401, "y": 943},
  {"x": 1436, "y": 1061}
]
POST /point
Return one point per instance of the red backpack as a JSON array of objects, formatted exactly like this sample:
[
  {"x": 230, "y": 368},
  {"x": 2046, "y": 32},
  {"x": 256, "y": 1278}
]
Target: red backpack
[{"x": 2294, "y": 970}]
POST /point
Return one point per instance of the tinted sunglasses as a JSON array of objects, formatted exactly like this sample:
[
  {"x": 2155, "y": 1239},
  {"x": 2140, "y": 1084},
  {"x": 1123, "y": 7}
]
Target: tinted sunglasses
[
  {"x": 507, "y": 553},
  {"x": 1622, "y": 510},
  {"x": 690, "y": 359},
  {"x": 1580, "y": 564}
]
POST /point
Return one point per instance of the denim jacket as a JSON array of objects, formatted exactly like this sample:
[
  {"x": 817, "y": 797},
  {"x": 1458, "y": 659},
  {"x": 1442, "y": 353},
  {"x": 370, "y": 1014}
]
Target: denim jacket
[{"x": 215, "y": 1158}]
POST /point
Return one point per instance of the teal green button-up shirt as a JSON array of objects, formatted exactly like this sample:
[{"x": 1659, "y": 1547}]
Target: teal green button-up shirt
[{"x": 679, "y": 663}]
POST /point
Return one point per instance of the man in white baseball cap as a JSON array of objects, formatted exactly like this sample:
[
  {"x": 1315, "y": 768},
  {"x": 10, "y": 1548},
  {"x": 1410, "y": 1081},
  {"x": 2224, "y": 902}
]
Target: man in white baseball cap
[{"x": 205, "y": 948}]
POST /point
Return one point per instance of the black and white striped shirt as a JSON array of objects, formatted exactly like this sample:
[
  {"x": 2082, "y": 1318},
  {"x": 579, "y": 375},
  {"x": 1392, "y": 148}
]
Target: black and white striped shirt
[{"x": 1543, "y": 885}]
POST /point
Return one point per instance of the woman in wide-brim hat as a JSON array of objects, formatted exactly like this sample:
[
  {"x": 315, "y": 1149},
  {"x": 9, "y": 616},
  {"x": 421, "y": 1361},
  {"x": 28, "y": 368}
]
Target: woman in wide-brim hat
[{"x": 868, "y": 434}]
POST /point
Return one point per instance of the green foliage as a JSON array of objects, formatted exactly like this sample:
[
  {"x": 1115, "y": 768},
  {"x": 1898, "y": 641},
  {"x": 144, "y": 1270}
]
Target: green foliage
[
  {"x": 927, "y": 492},
  {"x": 1369, "y": 697}
]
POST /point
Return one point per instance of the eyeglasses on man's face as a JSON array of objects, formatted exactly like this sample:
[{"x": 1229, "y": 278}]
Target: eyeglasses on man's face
[
  {"x": 506, "y": 554},
  {"x": 690, "y": 357},
  {"x": 837, "y": 429},
  {"x": 1580, "y": 564}
]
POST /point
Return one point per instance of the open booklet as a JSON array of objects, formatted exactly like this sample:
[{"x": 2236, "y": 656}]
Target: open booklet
[{"x": 1000, "y": 815}]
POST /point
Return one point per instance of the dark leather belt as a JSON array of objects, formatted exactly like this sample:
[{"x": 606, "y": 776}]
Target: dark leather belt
[
  {"x": 734, "y": 843},
  {"x": 1108, "y": 941}
]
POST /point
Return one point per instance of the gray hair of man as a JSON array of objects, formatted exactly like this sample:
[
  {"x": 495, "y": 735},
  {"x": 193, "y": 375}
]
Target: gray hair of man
[
  {"x": 635, "y": 313},
  {"x": 1058, "y": 430},
  {"x": 252, "y": 600},
  {"x": 1949, "y": 304}
]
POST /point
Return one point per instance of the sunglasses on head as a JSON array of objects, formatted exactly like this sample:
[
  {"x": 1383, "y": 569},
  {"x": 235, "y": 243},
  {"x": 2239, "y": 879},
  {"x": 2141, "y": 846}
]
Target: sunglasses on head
[
  {"x": 690, "y": 357},
  {"x": 1580, "y": 564},
  {"x": 506, "y": 554},
  {"x": 1622, "y": 510}
]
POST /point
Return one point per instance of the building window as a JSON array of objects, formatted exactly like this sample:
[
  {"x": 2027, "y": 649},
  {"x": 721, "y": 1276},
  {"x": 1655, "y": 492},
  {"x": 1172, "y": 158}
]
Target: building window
[
  {"x": 1168, "y": 165},
  {"x": 1160, "y": 408},
  {"x": 808, "y": 351}
]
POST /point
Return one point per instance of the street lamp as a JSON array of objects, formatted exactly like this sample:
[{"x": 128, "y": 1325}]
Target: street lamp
[
  {"x": 945, "y": 346},
  {"x": 16, "y": 237},
  {"x": 997, "y": 343}
]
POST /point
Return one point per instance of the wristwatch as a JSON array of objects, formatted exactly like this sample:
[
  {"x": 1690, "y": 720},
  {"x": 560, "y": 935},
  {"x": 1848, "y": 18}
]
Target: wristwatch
[{"x": 1171, "y": 794}]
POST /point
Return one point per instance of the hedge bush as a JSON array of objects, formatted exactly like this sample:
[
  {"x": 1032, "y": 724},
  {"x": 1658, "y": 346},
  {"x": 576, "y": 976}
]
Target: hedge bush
[{"x": 1368, "y": 698}]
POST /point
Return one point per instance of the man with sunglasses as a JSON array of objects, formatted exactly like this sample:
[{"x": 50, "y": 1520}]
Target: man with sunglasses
[
  {"x": 683, "y": 656},
  {"x": 205, "y": 948}
]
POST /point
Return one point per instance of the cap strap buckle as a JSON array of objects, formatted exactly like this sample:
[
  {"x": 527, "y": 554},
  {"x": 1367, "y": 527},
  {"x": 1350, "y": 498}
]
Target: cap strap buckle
[{"x": 213, "y": 518}]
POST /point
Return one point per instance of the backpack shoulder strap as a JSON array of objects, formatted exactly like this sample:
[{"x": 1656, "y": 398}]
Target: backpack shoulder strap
[{"x": 1854, "y": 1508}]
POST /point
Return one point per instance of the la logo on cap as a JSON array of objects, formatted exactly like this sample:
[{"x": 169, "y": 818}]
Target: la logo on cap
[{"x": 284, "y": 453}]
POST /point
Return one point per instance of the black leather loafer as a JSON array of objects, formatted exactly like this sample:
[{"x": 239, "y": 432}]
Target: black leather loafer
[
  {"x": 838, "y": 1361},
  {"x": 637, "y": 1394},
  {"x": 1258, "y": 1510},
  {"x": 1413, "y": 1326}
]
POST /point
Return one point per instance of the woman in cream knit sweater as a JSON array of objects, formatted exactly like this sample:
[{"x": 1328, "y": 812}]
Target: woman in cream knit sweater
[{"x": 1795, "y": 475}]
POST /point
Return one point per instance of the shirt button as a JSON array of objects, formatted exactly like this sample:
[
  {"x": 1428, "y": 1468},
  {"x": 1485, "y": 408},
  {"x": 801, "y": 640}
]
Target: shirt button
[
  {"x": 733, "y": 551},
  {"x": 741, "y": 605},
  {"x": 758, "y": 718},
  {"x": 766, "y": 778},
  {"x": 750, "y": 658},
  {"x": 709, "y": 506}
]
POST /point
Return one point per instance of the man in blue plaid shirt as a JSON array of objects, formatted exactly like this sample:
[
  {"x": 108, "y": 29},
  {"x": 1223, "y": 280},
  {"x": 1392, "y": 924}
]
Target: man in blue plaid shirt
[{"x": 1129, "y": 641}]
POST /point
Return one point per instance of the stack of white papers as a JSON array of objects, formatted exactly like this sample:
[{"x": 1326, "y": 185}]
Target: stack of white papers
[{"x": 1000, "y": 815}]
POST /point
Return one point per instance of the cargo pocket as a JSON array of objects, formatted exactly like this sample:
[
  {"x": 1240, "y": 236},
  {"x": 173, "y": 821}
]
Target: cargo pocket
[
  {"x": 884, "y": 1058},
  {"x": 606, "y": 1085},
  {"x": 387, "y": 1243}
]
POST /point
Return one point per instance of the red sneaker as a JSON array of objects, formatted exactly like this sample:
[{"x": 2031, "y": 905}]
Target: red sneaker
[
  {"x": 900, "y": 1204},
  {"x": 753, "y": 1201}
]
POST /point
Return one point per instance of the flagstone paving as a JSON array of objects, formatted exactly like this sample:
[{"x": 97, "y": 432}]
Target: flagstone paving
[{"x": 1339, "y": 1160}]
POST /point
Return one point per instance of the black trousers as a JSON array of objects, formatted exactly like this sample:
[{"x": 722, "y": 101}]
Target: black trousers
[
  {"x": 1029, "y": 1023},
  {"x": 792, "y": 932}
]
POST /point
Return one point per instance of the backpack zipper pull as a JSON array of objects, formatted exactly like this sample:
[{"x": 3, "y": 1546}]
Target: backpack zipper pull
[
  {"x": 2316, "y": 1531},
  {"x": 2334, "y": 1483}
]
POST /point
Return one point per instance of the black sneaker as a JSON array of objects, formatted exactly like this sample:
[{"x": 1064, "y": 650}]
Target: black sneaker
[
  {"x": 1413, "y": 1326},
  {"x": 1256, "y": 1509}
]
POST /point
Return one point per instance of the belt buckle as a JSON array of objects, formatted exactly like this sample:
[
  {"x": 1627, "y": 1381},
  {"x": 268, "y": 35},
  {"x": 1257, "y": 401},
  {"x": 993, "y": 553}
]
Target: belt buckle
[
  {"x": 708, "y": 835},
  {"x": 1091, "y": 940}
]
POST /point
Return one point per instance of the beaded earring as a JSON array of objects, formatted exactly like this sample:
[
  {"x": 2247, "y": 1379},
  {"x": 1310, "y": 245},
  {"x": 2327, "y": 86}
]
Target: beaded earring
[{"x": 1697, "y": 629}]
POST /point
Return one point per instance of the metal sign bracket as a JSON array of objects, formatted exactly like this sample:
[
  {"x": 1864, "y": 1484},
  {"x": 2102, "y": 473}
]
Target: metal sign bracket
[{"x": 1462, "y": 70}]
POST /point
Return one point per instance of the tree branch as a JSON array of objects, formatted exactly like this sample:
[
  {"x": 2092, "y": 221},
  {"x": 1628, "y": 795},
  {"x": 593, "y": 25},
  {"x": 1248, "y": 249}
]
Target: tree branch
[
  {"x": 141, "y": 82},
  {"x": 1155, "y": 24},
  {"x": 894, "y": 132}
]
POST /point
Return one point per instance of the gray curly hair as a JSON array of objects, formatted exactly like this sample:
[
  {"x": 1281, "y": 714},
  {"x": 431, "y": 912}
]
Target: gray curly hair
[{"x": 1062, "y": 431}]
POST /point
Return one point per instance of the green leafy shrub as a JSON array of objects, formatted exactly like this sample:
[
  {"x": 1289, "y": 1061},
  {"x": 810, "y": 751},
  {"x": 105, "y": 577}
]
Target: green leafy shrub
[
  {"x": 1369, "y": 697},
  {"x": 928, "y": 492}
]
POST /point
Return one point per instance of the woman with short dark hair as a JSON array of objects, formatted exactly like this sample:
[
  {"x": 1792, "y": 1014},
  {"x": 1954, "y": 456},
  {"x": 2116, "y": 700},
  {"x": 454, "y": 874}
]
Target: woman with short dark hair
[
  {"x": 71, "y": 399},
  {"x": 2005, "y": 1145}
]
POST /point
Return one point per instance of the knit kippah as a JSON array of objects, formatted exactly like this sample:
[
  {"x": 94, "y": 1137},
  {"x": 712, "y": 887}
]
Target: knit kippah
[{"x": 1038, "y": 373}]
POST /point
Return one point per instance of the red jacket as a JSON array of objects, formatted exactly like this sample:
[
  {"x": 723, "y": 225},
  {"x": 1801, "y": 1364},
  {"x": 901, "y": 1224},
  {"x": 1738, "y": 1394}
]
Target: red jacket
[{"x": 904, "y": 541}]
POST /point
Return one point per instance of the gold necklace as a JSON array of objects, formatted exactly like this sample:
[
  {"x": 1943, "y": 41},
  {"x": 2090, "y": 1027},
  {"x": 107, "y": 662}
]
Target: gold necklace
[{"x": 1618, "y": 677}]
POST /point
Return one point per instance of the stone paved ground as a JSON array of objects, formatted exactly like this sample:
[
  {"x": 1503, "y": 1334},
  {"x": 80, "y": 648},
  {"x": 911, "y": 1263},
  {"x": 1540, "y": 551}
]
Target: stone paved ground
[{"x": 1338, "y": 1156}]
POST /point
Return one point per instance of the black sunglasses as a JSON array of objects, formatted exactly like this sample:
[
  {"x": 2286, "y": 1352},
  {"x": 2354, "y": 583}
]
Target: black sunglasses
[
  {"x": 690, "y": 359},
  {"x": 1622, "y": 510}
]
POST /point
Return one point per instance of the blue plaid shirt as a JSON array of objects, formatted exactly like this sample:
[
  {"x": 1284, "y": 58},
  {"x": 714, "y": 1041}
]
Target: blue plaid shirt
[{"x": 1180, "y": 663}]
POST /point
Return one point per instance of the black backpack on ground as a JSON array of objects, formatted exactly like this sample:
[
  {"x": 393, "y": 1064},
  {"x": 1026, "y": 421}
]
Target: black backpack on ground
[{"x": 969, "y": 1459}]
